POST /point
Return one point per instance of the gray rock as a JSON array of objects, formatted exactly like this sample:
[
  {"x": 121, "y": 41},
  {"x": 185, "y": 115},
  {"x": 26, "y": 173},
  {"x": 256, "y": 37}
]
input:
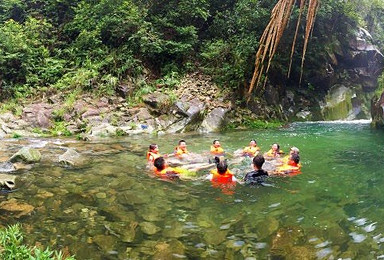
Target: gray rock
[
  {"x": 71, "y": 157},
  {"x": 38, "y": 115},
  {"x": 214, "y": 120},
  {"x": 26, "y": 155}
]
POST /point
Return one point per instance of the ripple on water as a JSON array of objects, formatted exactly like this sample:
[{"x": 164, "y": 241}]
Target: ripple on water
[
  {"x": 357, "y": 238},
  {"x": 371, "y": 227},
  {"x": 323, "y": 253}
]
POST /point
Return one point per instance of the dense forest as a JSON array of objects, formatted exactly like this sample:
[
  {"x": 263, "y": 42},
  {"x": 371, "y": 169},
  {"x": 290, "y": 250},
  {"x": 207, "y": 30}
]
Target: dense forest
[{"x": 95, "y": 45}]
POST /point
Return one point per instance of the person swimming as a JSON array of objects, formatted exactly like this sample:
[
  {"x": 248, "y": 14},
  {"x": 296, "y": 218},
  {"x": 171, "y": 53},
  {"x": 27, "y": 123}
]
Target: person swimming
[
  {"x": 292, "y": 150},
  {"x": 161, "y": 169},
  {"x": 216, "y": 148},
  {"x": 274, "y": 152},
  {"x": 181, "y": 148},
  {"x": 252, "y": 150},
  {"x": 153, "y": 153},
  {"x": 258, "y": 175},
  {"x": 292, "y": 166},
  {"x": 221, "y": 174}
]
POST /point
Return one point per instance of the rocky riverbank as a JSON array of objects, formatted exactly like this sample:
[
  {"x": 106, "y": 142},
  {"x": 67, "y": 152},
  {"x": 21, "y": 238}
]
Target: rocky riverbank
[{"x": 195, "y": 105}]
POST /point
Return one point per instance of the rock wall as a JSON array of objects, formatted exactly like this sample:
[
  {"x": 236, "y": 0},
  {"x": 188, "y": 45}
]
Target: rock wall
[
  {"x": 377, "y": 111},
  {"x": 349, "y": 78},
  {"x": 196, "y": 105}
]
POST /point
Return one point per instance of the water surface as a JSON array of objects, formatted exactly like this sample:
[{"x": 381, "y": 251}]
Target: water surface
[{"x": 111, "y": 208}]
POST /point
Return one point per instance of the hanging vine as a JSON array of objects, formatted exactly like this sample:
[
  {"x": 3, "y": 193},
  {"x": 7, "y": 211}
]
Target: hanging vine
[{"x": 272, "y": 35}]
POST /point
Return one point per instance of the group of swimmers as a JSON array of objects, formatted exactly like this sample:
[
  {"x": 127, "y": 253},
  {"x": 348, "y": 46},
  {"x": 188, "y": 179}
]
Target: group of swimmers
[{"x": 281, "y": 164}]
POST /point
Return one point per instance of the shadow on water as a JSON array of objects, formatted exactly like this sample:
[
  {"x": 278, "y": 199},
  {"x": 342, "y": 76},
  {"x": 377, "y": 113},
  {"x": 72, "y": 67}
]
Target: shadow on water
[{"x": 112, "y": 208}]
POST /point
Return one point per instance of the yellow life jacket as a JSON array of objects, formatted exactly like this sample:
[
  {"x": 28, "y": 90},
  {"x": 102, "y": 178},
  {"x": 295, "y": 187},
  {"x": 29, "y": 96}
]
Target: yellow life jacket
[
  {"x": 251, "y": 150},
  {"x": 217, "y": 150}
]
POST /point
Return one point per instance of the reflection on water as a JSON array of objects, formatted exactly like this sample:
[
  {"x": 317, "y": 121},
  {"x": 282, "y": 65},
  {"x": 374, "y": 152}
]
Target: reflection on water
[{"x": 111, "y": 208}]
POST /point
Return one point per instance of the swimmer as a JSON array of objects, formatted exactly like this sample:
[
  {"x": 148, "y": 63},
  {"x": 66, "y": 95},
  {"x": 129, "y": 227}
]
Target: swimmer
[
  {"x": 252, "y": 150},
  {"x": 153, "y": 153},
  {"x": 258, "y": 175},
  {"x": 274, "y": 152},
  {"x": 181, "y": 148},
  {"x": 292, "y": 150},
  {"x": 216, "y": 148},
  {"x": 292, "y": 166},
  {"x": 163, "y": 170},
  {"x": 221, "y": 174}
]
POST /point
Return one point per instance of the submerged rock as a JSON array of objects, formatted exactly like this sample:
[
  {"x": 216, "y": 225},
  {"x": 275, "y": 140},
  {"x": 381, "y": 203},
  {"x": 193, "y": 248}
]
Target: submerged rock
[
  {"x": 26, "y": 155},
  {"x": 149, "y": 228},
  {"x": 19, "y": 209}
]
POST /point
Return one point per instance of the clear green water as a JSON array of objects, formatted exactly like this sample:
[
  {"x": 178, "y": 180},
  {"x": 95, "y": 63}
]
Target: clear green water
[{"x": 112, "y": 208}]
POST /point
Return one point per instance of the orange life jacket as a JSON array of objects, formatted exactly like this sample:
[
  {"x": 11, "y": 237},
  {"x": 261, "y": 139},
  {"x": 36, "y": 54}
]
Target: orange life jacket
[
  {"x": 251, "y": 150},
  {"x": 222, "y": 178},
  {"x": 152, "y": 156},
  {"x": 217, "y": 150}
]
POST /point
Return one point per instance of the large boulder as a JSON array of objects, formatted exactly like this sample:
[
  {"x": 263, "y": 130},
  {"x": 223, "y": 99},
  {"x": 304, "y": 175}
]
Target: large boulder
[
  {"x": 71, "y": 157},
  {"x": 38, "y": 115},
  {"x": 214, "y": 120},
  {"x": 26, "y": 155}
]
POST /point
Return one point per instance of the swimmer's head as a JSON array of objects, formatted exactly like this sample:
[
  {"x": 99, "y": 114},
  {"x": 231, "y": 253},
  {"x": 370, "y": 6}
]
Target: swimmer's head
[
  {"x": 182, "y": 143},
  {"x": 222, "y": 167},
  {"x": 295, "y": 158},
  {"x": 252, "y": 142},
  {"x": 276, "y": 147},
  {"x": 153, "y": 147},
  {"x": 258, "y": 161},
  {"x": 294, "y": 150},
  {"x": 159, "y": 163},
  {"x": 216, "y": 143}
]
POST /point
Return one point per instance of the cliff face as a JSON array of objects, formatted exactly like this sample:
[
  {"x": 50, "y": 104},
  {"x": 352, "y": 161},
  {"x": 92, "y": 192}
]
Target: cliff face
[
  {"x": 340, "y": 86},
  {"x": 377, "y": 111}
]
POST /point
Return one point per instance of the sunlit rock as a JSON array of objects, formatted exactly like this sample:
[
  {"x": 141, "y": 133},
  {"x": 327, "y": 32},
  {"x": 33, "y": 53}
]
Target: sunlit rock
[
  {"x": 19, "y": 209},
  {"x": 151, "y": 213},
  {"x": 149, "y": 228},
  {"x": 214, "y": 236},
  {"x": 169, "y": 250},
  {"x": 265, "y": 228},
  {"x": 7, "y": 167},
  {"x": 71, "y": 157},
  {"x": 214, "y": 120},
  {"x": 105, "y": 243},
  {"x": 173, "y": 229},
  {"x": 27, "y": 155},
  {"x": 285, "y": 239}
]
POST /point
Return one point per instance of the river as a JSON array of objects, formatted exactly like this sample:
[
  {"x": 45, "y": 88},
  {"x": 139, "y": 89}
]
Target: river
[{"x": 111, "y": 208}]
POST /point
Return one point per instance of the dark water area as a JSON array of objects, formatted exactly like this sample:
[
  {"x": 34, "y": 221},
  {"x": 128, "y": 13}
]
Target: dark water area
[{"x": 112, "y": 208}]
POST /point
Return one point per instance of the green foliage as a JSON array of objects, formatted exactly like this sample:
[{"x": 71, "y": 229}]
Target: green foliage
[
  {"x": 91, "y": 46},
  {"x": 60, "y": 129},
  {"x": 13, "y": 248},
  {"x": 251, "y": 123},
  {"x": 16, "y": 135}
]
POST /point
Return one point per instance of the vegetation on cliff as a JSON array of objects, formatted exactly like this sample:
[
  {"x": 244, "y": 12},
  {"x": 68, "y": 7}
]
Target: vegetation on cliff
[{"x": 96, "y": 46}]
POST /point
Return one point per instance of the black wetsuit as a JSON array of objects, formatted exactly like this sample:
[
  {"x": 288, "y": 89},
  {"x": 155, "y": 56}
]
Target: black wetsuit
[{"x": 255, "y": 177}]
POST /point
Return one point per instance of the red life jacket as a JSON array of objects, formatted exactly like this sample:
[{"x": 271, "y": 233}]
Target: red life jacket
[{"x": 222, "y": 178}]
